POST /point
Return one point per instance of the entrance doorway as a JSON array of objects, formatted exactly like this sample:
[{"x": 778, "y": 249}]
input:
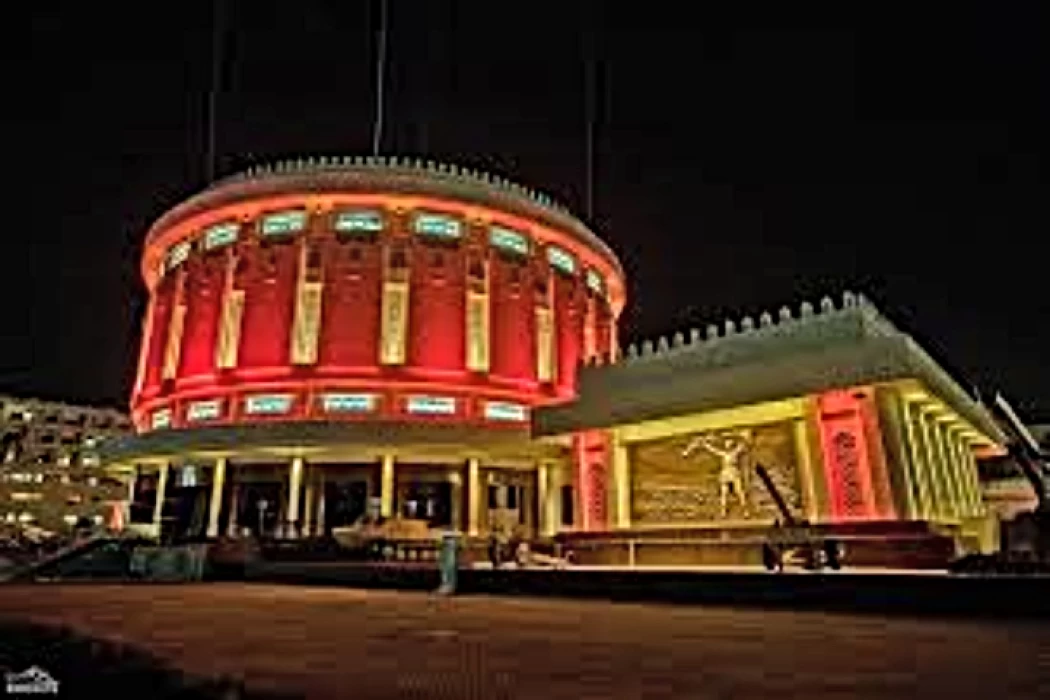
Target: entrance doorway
[
  {"x": 427, "y": 500},
  {"x": 259, "y": 507},
  {"x": 345, "y": 502}
]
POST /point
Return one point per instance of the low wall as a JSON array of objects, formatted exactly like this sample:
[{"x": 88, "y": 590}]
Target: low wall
[
  {"x": 884, "y": 594},
  {"x": 899, "y": 545}
]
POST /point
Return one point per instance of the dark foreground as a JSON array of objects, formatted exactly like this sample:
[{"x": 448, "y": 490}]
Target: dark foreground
[{"x": 340, "y": 643}]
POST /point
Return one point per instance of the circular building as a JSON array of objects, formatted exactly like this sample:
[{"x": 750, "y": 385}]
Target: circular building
[{"x": 328, "y": 336}]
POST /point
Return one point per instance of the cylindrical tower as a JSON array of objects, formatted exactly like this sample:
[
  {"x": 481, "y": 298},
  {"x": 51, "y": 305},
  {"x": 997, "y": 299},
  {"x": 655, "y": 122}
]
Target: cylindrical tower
[
  {"x": 374, "y": 294},
  {"x": 349, "y": 290}
]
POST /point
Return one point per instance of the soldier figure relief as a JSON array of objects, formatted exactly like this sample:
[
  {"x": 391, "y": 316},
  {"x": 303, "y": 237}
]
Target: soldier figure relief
[{"x": 730, "y": 451}]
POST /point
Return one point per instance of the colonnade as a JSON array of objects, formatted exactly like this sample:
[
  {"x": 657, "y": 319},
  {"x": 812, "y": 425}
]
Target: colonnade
[{"x": 302, "y": 510}]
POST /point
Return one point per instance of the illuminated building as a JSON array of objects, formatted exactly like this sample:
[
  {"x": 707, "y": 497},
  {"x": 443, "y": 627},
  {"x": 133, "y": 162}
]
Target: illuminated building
[
  {"x": 50, "y": 472},
  {"x": 864, "y": 434},
  {"x": 331, "y": 336},
  {"x": 328, "y": 335}
]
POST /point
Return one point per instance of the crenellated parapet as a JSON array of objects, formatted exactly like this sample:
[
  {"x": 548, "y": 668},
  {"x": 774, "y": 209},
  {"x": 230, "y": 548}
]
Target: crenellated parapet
[
  {"x": 813, "y": 323},
  {"x": 386, "y": 164}
]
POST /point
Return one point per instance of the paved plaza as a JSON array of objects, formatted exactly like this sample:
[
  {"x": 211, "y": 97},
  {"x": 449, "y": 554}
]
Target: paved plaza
[{"x": 342, "y": 643}]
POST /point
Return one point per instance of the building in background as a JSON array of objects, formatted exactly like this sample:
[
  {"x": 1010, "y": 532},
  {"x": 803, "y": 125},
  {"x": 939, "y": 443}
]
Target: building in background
[
  {"x": 330, "y": 335},
  {"x": 50, "y": 473}
]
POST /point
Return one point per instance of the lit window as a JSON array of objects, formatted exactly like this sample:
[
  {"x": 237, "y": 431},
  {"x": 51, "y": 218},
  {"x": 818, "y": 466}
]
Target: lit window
[
  {"x": 204, "y": 410},
  {"x": 561, "y": 260},
  {"x": 90, "y": 461},
  {"x": 348, "y": 403},
  {"x": 220, "y": 235},
  {"x": 504, "y": 411},
  {"x": 438, "y": 225},
  {"x": 509, "y": 241},
  {"x": 160, "y": 419},
  {"x": 177, "y": 254},
  {"x": 358, "y": 221},
  {"x": 284, "y": 222},
  {"x": 595, "y": 282},
  {"x": 272, "y": 404},
  {"x": 431, "y": 405}
]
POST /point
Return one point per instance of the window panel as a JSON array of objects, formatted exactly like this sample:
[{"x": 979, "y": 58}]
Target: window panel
[
  {"x": 282, "y": 223},
  {"x": 508, "y": 240},
  {"x": 438, "y": 225}
]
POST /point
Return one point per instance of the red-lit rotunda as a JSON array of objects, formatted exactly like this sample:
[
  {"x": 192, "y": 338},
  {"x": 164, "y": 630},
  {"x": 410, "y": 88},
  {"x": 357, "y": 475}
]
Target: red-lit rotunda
[{"x": 330, "y": 333}]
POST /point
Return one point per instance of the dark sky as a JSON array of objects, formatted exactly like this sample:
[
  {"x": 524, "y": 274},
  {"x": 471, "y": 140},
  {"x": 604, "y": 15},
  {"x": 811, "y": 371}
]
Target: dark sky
[{"x": 743, "y": 161}]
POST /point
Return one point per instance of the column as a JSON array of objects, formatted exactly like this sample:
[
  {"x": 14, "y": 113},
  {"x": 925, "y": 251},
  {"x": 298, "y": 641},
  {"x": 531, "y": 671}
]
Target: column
[
  {"x": 473, "y": 495},
  {"x": 131, "y": 497},
  {"x": 931, "y": 472},
  {"x": 806, "y": 472},
  {"x": 386, "y": 487},
  {"x": 158, "y": 507},
  {"x": 542, "y": 494},
  {"x": 950, "y": 504},
  {"x": 896, "y": 446},
  {"x": 308, "y": 503},
  {"x": 621, "y": 464},
  {"x": 295, "y": 482},
  {"x": 131, "y": 484},
  {"x": 548, "y": 478},
  {"x": 232, "y": 526},
  {"x": 966, "y": 475},
  {"x": 319, "y": 528},
  {"x": 218, "y": 476},
  {"x": 974, "y": 479},
  {"x": 955, "y": 469}
]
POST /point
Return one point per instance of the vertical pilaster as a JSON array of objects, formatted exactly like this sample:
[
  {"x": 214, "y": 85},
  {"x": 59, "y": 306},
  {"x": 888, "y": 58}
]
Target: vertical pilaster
[
  {"x": 306, "y": 326},
  {"x": 920, "y": 460},
  {"x": 621, "y": 468},
  {"x": 900, "y": 465},
  {"x": 970, "y": 506},
  {"x": 158, "y": 507},
  {"x": 974, "y": 477},
  {"x": 229, "y": 340},
  {"x": 386, "y": 488},
  {"x": 807, "y": 474},
  {"x": 949, "y": 501},
  {"x": 393, "y": 335},
  {"x": 145, "y": 343},
  {"x": 473, "y": 495},
  {"x": 477, "y": 311},
  {"x": 218, "y": 477}
]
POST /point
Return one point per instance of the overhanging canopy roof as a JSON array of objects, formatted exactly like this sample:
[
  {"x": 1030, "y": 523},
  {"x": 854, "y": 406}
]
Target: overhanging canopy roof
[{"x": 794, "y": 356}]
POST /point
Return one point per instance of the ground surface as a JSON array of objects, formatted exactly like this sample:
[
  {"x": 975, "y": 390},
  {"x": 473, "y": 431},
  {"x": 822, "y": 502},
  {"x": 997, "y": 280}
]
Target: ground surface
[{"x": 339, "y": 643}]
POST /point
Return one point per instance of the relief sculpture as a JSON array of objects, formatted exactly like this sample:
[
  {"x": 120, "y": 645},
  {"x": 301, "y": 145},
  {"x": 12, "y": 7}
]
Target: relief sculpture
[{"x": 709, "y": 477}]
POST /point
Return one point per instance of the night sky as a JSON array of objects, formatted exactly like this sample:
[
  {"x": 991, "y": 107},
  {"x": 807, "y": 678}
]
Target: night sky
[{"x": 743, "y": 162}]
